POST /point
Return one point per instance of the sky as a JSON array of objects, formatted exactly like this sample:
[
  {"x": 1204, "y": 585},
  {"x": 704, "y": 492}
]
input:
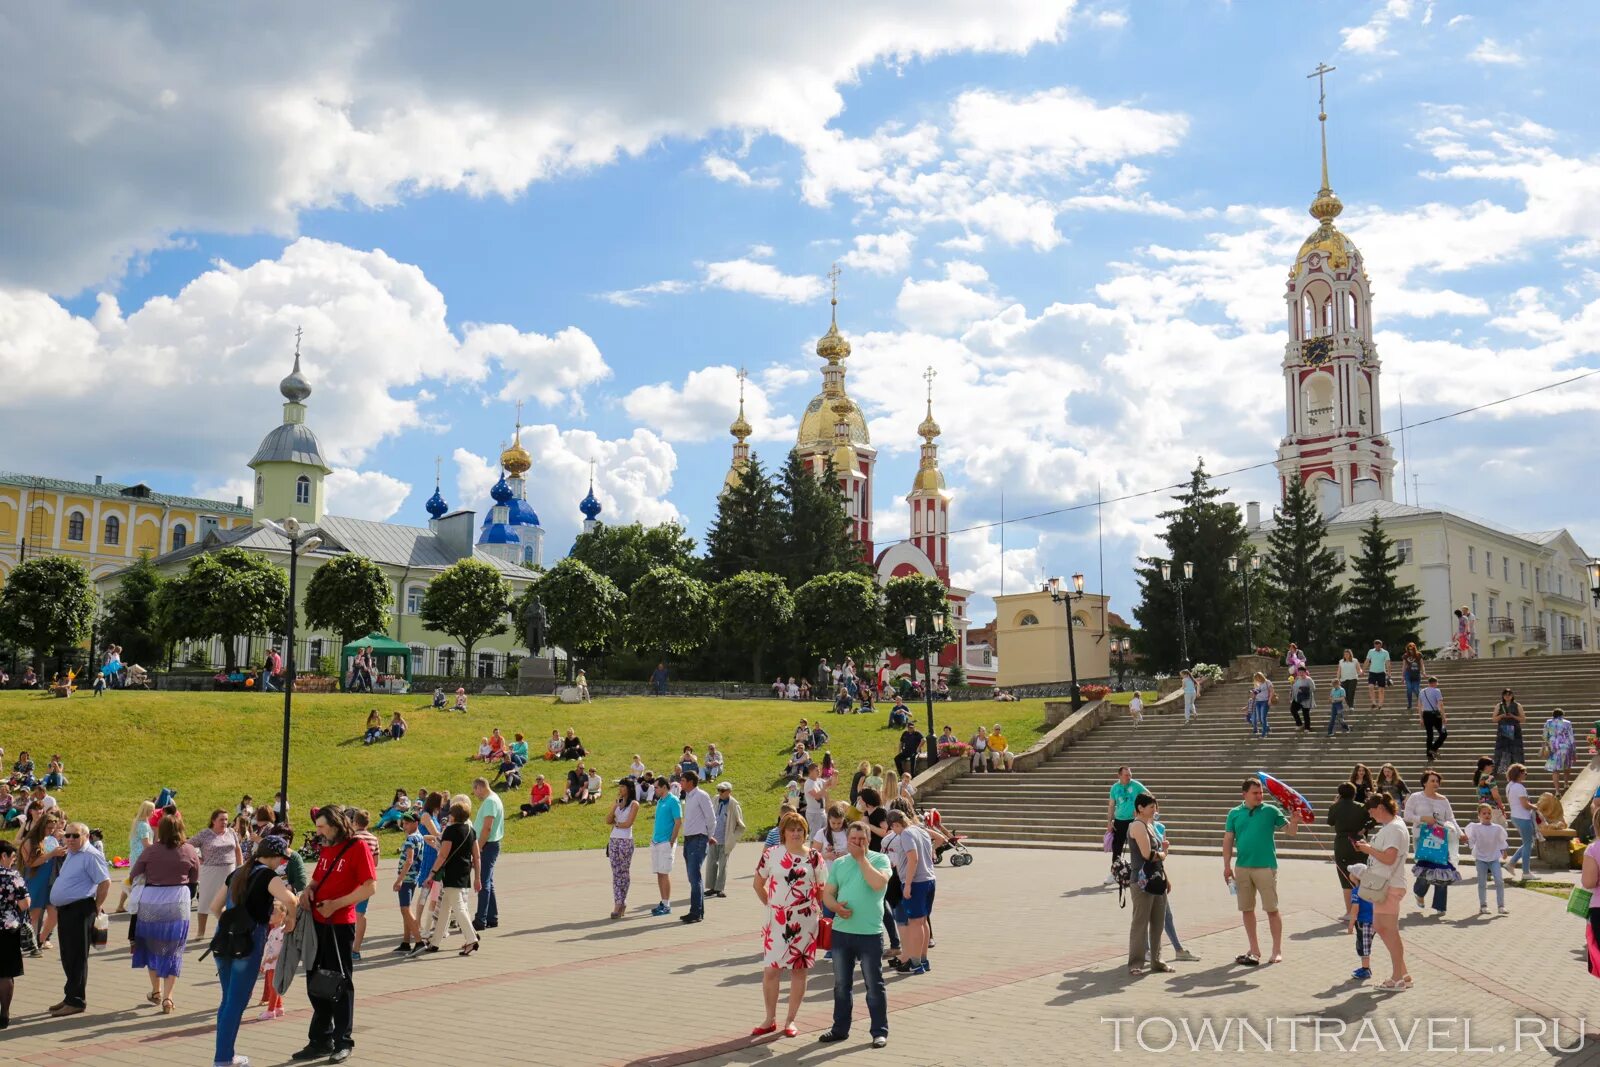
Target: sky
[{"x": 1080, "y": 215}]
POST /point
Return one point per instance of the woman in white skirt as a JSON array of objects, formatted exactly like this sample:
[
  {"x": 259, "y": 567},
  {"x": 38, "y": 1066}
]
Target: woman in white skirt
[{"x": 219, "y": 855}]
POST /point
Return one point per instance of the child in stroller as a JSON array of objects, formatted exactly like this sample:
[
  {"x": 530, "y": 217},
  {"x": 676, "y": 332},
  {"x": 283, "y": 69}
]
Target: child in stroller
[{"x": 952, "y": 841}]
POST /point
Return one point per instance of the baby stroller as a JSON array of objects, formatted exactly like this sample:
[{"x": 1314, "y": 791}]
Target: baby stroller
[
  {"x": 953, "y": 841},
  {"x": 136, "y": 677}
]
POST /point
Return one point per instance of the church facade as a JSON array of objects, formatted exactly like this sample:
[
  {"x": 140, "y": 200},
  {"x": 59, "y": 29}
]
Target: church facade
[{"x": 834, "y": 428}]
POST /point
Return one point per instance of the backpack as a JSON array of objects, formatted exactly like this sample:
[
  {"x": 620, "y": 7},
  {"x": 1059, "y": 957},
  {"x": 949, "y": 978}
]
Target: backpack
[
  {"x": 235, "y": 938},
  {"x": 1122, "y": 871}
]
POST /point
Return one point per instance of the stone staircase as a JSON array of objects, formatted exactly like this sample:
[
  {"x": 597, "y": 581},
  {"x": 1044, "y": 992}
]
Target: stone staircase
[{"x": 1195, "y": 770}]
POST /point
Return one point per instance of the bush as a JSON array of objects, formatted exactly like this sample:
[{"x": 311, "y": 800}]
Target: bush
[{"x": 1267, "y": 650}]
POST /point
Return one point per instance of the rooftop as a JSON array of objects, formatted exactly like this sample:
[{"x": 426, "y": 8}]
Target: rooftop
[{"x": 120, "y": 491}]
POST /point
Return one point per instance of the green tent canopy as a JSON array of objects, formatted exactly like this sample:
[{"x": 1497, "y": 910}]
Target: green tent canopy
[{"x": 382, "y": 647}]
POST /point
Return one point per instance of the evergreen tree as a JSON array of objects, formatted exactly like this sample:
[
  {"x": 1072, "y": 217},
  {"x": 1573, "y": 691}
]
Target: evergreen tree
[
  {"x": 1203, "y": 531},
  {"x": 1302, "y": 579},
  {"x": 817, "y": 537},
  {"x": 748, "y": 532},
  {"x": 131, "y": 619},
  {"x": 1376, "y": 605}
]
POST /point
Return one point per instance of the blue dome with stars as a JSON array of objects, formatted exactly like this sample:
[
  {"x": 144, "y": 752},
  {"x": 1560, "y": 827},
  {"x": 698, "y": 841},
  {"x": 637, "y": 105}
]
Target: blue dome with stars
[
  {"x": 501, "y": 493},
  {"x": 436, "y": 506}
]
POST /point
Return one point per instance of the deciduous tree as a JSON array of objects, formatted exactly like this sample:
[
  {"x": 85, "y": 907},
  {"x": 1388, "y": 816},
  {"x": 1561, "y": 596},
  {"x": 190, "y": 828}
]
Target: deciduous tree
[
  {"x": 468, "y": 601},
  {"x": 348, "y": 596},
  {"x": 755, "y": 611},
  {"x": 46, "y": 603}
]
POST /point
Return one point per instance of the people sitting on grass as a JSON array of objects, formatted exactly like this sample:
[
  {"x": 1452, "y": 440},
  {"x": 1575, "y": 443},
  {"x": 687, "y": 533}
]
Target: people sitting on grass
[
  {"x": 799, "y": 760},
  {"x": 553, "y": 747},
  {"x": 688, "y": 763},
  {"x": 805, "y": 689},
  {"x": 538, "y": 797},
  {"x": 374, "y": 731},
  {"x": 483, "y": 750},
  {"x": 55, "y": 775},
  {"x": 438, "y": 697},
  {"x": 512, "y": 762},
  {"x": 713, "y": 765},
  {"x": 398, "y": 806},
  {"x": 497, "y": 746},
  {"x": 577, "y": 786},
  {"x": 23, "y": 768},
  {"x": 30, "y": 679},
  {"x": 900, "y": 715},
  {"x": 802, "y": 734},
  {"x": 397, "y": 726},
  {"x": 572, "y": 747},
  {"x": 595, "y": 784},
  {"x": 461, "y": 699},
  {"x": 866, "y": 707},
  {"x": 841, "y": 701}
]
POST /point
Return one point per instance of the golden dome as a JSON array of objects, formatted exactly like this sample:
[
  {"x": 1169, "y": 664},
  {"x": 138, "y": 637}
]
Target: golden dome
[
  {"x": 516, "y": 459},
  {"x": 1326, "y": 207},
  {"x": 740, "y": 427},
  {"x": 816, "y": 425},
  {"x": 832, "y": 346},
  {"x": 1337, "y": 249},
  {"x": 928, "y": 428},
  {"x": 930, "y": 478}
]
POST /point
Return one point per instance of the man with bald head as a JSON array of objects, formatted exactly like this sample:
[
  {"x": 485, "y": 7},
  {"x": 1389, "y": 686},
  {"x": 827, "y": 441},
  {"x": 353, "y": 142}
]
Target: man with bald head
[{"x": 78, "y": 894}]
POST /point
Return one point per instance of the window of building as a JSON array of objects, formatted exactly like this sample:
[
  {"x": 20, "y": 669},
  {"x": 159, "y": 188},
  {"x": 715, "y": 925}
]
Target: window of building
[
  {"x": 485, "y": 664},
  {"x": 1492, "y": 603},
  {"x": 1488, "y": 563},
  {"x": 1505, "y": 568},
  {"x": 1561, "y": 584},
  {"x": 1525, "y": 617},
  {"x": 1472, "y": 557},
  {"x": 414, "y": 600},
  {"x": 1474, "y": 603},
  {"x": 1028, "y": 619},
  {"x": 113, "y": 530},
  {"x": 419, "y": 659},
  {"x": 1522, "y": 573},
  {"x": 1402, "y": 550},
  {"x": 1338, "y": 554},
  {"x": 260, "y": 489},
  {"x": 1538, "y": 579},
  {"x": 180, "y": 536},
  {"x": 75, "y": 526},
  {"x": 314, "y": 660},
  {"x": 302, "y": 490}
]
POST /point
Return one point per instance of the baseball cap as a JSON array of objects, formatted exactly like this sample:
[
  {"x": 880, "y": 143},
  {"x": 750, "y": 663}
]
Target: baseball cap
[{"x": 724, "y": 786}]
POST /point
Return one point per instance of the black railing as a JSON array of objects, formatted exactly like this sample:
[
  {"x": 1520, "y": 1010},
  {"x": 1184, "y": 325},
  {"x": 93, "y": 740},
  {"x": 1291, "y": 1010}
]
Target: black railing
[
  {"x": 1502, "y": 624},
  {"x": 1534, "y": 634},
  {"x": 1572, "y": 643}
]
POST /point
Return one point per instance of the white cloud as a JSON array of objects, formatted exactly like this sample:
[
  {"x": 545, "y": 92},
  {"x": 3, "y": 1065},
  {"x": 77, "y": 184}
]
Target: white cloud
[
  {"x": 1058, "y": 130},
  {"x": 631, "y": 298},
  {"x": 475, "y": 476},
  {"x": 702, "y": 408},
  {"x": 364, "y": 494},
  {"x": 880, "y": 253},
  {"x": 1369, "y": 37},
  {"x": 948, "y": 305},
  {"x": 262, "y": 116},
  {"x": 196, "y": 373},
  {"x": 1491, "y": 53},
  {"x": 763, "y": 280},
  {"x": 724, "y": 169}
]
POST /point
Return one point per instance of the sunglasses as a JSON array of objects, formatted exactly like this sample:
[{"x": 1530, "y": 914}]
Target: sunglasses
[{"x": 71, "y": 837}]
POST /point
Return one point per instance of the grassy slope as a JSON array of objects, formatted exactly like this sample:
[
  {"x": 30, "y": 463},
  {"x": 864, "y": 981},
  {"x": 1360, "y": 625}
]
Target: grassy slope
[{"x": 122, "y": 747}]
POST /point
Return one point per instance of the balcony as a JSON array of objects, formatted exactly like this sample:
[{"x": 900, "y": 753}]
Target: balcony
[
  {"x": 1534, "y": 635},
  {"x": 1572, "y": 643},
  {"x": 1502, "y": 624}
]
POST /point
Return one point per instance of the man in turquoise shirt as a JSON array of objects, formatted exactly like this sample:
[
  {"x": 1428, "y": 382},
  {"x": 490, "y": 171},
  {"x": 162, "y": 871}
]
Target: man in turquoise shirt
[
  {"x": 1377, "y": 674},
  {"x": 1253, "y": 828},
  {"x": 490, "y": 822},
  {"x": 854, "y": 893},
  {"x": 669, "y": 823},
  {"x": 1119, "y": 813}
]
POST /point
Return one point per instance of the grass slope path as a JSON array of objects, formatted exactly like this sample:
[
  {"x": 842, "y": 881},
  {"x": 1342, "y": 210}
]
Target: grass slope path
[{"x": 214, "y": 748}]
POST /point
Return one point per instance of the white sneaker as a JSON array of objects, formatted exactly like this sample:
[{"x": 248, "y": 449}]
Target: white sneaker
[
  {"x": 1502, "y": 911},
  {"x": 1483, "y": 909},
  {"x": 1187, "y": 957}
]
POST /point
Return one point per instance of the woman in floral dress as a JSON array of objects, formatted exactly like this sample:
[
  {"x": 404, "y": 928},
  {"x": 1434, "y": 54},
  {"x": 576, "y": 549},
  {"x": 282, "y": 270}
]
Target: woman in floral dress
[
  {"x": 1558, "y": 749},
  {"x": 13, "y": 913},
  {"x": 789, "y": 882}
]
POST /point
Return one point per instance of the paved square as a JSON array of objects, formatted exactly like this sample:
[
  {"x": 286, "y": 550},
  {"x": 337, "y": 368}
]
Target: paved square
[{"x": 1029, "y": 960}]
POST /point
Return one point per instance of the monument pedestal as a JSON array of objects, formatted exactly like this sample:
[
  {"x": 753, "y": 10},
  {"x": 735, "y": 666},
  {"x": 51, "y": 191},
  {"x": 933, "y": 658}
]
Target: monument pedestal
[{"x": 535, "y": 678}]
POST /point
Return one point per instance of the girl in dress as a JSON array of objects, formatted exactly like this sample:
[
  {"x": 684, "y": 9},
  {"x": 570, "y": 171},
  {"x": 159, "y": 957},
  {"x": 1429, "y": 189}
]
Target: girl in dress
[
  {"x": 1559, "y": 746},
  {"x": 788, "y": 882}
]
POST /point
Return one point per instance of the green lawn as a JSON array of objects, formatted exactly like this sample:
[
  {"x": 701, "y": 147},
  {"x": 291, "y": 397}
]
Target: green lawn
[{"x": 215, "y": 747}]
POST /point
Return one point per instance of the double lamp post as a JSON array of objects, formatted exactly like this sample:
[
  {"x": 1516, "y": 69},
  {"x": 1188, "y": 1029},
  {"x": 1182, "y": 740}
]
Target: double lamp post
[
  {"x": 928, "y": 642},
  {"x": 1063, "y": 596},
  {"x": 302, "y": 538}
]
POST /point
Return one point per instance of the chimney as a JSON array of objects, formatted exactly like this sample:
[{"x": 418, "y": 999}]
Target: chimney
[
  {"x": 97, "y": 479},
  {"x": 1364, "y": 489},
  {"x": 456, "y": 531},
  {"x": 238, "y": 501},
  {"x": 1252, "y": 515}
]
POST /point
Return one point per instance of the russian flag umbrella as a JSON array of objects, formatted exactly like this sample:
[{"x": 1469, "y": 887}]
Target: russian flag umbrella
[{"x": 1291, "y": 799}]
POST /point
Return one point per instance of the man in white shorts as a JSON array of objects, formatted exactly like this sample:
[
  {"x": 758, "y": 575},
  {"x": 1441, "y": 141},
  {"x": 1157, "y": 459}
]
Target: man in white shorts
[{"x": 669, "y": 823}]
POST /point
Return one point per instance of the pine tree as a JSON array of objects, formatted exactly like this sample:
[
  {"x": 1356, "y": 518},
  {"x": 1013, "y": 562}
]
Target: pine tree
[
  {"x": 1376, "y": 604},
  {"x": 1205, "y": 532},
  {"x": 817, "y": 537},
  {"x": 748, "y": 532},
  {"x": 1302, "y": 578}
]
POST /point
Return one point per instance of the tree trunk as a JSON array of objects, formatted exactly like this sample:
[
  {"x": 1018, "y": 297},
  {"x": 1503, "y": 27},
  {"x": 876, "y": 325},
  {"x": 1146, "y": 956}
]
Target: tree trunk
[
  {"x": 230, "y": 655},
  {"x": 756, "y": 664},
  {"x": 466, "y": 667}
]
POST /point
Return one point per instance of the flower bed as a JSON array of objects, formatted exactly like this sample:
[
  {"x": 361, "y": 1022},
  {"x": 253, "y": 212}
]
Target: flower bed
[
  {"x": 1093, "y": 692},
  {"x": 955, "y": 750}
]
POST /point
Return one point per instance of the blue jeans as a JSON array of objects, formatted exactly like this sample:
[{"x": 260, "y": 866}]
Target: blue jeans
[
  {"x": 1172, "y": 932},
  {"x": 848, "y": 949},
  {"x": 1258, "y": 722},
  {"x": 1524, "y": 853},
  {"x": 1490, "y": 869},
  {"x": 1336, "y": 717},
  {"x": 694, "y": 858},
  {"x": 488, "y": 906},
  {"x": 238, "y": 978},
  {"x": 1413, "y": 690},
  {"x": 1441, "y": 893}
]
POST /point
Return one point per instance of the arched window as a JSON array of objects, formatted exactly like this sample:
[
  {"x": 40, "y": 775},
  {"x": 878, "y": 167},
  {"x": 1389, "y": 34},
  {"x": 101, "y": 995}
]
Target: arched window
[
  {"x": 180, "y": 536},
  {"x": 302, "y": 490},
  {"x": 1028, "y": 619},
  {"x": 1352, "y": 319},
  {"x": 260, "y": 488},
  {"x": 75, "y": 526},
  {"x": 113, "y": 530}
]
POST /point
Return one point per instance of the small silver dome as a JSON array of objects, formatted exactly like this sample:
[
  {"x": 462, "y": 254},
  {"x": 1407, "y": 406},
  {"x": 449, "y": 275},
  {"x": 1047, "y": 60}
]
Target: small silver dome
[
  {"x": 293, "y": 442},
  {"x": 295, "y": 387}
]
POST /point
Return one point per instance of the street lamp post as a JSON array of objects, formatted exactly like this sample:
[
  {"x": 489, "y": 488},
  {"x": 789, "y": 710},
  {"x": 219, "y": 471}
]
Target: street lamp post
[
  {"x": 1061, "y": 596},
  {"x": 1183, "y": 624},
  {"x": 1121, "y": 646},
  {"x": 1594, "y": 580},
  {"x": 928, "y": 642},
  {"x": 1253, "y": 568},
  {"x": 302, "y": 539}
]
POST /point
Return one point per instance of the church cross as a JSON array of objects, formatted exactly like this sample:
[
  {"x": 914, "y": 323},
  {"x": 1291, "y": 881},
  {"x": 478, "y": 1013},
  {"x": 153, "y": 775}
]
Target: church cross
[
  {"x": 742, "y": 375},
  {"x": 1322, "y": 113},
  {"x": 297, "y": 332},
  {"x": 438, "y": 462},
  {"x": 519, "y": 415},
  {"x": 928, "y": 376},
  {"x": 833, "y": 279}
]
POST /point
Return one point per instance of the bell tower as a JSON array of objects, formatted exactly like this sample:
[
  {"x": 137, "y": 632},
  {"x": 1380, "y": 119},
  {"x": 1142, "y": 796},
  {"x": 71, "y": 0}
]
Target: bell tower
[
  {"x": 929, "y": 500},
  {"x": 1333, "y": 440}
]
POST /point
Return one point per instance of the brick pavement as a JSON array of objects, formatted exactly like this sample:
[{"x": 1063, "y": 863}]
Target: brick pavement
[{"x": 1030, "y": 960}]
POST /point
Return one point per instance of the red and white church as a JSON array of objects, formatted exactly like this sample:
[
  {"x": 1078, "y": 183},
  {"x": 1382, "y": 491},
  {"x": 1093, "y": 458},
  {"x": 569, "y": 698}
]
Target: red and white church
[{"x": 834, "y": 427}]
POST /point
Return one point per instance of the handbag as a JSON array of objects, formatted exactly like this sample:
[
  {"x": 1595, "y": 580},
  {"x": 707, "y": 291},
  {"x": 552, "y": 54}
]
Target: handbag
[
  {"x": 1374, "y": 885},
  {"x": 1109, "y": 838},
  {"x": 825, "y": 933},
  {"x": 136, "y": 894},
  {"x": 1577, "y": 901},
  {"x": 321, "y": 983},
  {"x": 1433, "y": 845}
]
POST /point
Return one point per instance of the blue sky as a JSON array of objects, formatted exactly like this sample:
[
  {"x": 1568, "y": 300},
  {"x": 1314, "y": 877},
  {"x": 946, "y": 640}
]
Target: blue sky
[{"x": 1080, "y": 215}]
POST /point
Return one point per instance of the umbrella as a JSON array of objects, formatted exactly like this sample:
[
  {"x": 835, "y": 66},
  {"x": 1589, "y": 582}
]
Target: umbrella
[{"x": 1292, "y": 800}]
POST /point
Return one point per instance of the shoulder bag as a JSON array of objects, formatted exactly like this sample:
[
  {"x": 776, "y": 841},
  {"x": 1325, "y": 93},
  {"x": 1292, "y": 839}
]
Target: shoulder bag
[{"x": 321, "y": 983}]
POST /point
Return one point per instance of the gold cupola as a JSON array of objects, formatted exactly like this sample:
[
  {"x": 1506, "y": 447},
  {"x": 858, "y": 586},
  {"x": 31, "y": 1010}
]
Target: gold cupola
[{"x": 515, "y": 460}]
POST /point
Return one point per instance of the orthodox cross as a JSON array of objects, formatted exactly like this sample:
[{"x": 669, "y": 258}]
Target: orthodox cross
[
  {"x": 833, "y": 278},
  {"x": 1322, "y": 112},
  {"x": 438, "y": 462},
  {"x": 297, "y": 332},
  {"x": 928, "y": 376},
  {"x": 742, "y": 375},
  {"x": 591, "y": 475},
  {"x": 519, "y": 418}
]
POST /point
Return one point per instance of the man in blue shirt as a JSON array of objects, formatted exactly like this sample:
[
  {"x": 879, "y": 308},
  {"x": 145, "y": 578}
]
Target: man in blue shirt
[
  {"x": 78, "y": 895},
  {"x": 1377, "y": 674},
  {"x": 669, "y": 822},
  {"x": 490, "y": 823}
]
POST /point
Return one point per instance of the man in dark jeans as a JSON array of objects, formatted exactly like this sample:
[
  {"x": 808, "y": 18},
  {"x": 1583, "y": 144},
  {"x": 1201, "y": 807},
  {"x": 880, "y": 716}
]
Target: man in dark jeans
[
  {"x": 699, "y": 820},
  {"x": 905, "y": 761},
  {"x": 877, "y": 821},
  {"x": 854, "y": 893},
  {"x": 78, "y": 894}
]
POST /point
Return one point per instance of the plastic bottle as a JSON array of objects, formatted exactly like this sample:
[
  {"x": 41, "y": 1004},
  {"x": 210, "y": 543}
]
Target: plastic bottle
[{"x": 1233, "y": 888}]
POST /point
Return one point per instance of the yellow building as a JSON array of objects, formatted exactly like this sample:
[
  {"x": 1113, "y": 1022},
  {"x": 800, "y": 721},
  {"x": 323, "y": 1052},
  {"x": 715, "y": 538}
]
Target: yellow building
[
  {"x": 103, "y": 525},
  {"x": 1031, "y": 630}
]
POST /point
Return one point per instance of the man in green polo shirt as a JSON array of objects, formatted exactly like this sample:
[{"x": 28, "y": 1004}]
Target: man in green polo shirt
[
  {"x": 854, "y": 893},
  {"x": 1119, "y": 814},
  {"x": 1252, "y": 827}
]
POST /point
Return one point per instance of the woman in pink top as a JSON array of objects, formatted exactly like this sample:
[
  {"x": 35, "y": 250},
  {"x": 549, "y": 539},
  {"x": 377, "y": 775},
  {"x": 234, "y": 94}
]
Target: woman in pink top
[{"x": 160, "y": 931}]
